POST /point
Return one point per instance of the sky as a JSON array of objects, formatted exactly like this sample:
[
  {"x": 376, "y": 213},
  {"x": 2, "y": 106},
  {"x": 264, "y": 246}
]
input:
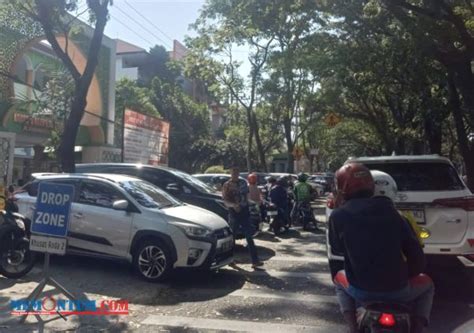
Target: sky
[{"x": 146, "y": 23}]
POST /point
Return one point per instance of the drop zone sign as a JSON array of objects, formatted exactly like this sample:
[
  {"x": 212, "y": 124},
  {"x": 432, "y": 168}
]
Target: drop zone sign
[{"x": 51, "y": 218}]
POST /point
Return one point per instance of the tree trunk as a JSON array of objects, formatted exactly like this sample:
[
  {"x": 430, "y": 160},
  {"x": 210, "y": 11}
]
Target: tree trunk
[
  {"x": 260, "y": 149},
  {"x": 464, "y": 147},
  {"x": 433, "y": 134},
  {"x": 249, "y": 140},
  {"x": 289, "y": 144},
  {"x": 68, "y": 137}
]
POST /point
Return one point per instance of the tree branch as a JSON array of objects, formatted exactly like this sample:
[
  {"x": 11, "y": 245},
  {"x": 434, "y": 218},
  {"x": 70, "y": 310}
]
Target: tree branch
[{"x": 44, "y": 18}]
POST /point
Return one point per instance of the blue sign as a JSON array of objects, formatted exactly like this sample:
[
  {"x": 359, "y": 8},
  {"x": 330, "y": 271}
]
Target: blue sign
[{"x": 53, "y": 206}]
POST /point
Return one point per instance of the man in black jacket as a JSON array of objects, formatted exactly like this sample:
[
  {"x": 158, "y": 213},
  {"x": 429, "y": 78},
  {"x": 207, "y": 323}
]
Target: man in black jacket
[{"x": 383, "y": 260}]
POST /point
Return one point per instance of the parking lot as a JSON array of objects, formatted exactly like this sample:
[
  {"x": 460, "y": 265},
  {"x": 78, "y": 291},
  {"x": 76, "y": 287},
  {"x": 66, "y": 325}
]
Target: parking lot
[{"x": 293, "y": 293}]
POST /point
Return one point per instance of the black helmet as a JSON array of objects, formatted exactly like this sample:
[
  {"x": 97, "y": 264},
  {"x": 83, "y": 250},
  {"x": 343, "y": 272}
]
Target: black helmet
[
  {"x": 302, "y": 177},
  {"x": 282, "y": 181},
  {"x": 271, "y": 179}
]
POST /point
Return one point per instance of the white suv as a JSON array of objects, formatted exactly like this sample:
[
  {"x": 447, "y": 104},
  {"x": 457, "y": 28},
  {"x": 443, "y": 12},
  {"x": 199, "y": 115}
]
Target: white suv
[
  {"x": 116, "y": 216},
  {"x": 431, "y": 189}
]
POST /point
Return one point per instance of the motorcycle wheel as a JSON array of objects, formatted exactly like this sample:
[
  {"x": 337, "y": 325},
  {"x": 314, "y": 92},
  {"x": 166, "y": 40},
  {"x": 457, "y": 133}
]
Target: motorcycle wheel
[{"x": 17, "y": 262}]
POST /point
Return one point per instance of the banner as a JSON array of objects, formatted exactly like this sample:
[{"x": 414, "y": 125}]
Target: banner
[{"x": 145, "y": 139}]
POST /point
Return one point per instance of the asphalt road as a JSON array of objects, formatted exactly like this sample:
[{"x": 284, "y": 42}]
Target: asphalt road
[{"x": 293, "y": 293}]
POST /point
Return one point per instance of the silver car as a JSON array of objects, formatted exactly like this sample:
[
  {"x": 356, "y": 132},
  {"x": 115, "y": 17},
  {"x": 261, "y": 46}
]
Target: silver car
[{"x": 116, "y": 216}]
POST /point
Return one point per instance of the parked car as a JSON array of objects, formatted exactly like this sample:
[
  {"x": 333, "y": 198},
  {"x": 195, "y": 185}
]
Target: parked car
[
  {"x": 430, "y": 188},
  {"x": 179, "y": 184},
  {"x": 215, "y": 180},
  {"x": 123, "y": 217},
  {"x": 325, "y": 180}
]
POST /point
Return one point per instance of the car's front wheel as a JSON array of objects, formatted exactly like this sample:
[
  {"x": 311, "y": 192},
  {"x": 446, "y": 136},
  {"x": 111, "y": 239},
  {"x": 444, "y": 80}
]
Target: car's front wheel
[{"x": 152, "y": 261}]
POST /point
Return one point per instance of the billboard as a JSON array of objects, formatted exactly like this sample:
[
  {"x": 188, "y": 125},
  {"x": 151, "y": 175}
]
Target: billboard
[{"x": 145, "y": 139}]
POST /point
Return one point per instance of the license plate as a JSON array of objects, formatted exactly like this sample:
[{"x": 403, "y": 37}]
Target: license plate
[
  {"x": 418, "y": 215},
  {"x": 272, "y": 213}
]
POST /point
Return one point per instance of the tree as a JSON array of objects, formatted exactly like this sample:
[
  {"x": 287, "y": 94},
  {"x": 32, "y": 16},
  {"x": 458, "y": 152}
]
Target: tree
[
  {"x": 157, "y": 63},
  {"x": 445, "y": 31},
  {"x": 53, "y": 17},
  {"x": 189, "y": 124},
  {"x": 372, "y": 70},
  {"x": 221, "y": 26}
]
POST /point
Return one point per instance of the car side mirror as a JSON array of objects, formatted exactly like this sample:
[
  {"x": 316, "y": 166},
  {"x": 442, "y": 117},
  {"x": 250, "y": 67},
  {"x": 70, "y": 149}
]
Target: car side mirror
[
  {"x": 120, "y": 205},
  {"x": 173, "y": 188}
]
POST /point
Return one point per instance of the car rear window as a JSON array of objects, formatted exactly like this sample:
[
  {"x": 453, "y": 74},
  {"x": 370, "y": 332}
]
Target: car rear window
[{"x": 425, "y": 176}]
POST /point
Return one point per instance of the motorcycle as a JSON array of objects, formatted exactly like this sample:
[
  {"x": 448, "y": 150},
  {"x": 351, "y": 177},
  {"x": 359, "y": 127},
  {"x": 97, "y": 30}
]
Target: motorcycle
[
  {"x": 277, "y": 219},
  {"x": 383, "y": 318},
  {"x": 305, "y": 216},
  {"x": 16, "y": 259},
  {"x": 255, "y": 218}
]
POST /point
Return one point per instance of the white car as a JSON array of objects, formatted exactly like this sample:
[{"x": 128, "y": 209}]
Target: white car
[
  {"x": 122, "y": 217},
  {"x": 430, "y": 188}
]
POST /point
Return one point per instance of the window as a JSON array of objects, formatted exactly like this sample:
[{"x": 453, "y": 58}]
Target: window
[
  {"x": 129, "y": 171},
  {"x": 158, "y": 178},
  {"x": 32, "y": 187},
  {"x": 424, "y": 176},
  {"x": 148, "y": 195},
  {"x": 97, "y": 194}
]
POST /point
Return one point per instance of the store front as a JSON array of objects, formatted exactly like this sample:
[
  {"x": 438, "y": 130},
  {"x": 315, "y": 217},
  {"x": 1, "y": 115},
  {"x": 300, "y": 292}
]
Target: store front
[{"x": 31, "y": 113}]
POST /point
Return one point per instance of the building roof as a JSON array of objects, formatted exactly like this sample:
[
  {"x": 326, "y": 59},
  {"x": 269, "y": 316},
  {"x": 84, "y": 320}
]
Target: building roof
[{"x": 124, "y": 47}]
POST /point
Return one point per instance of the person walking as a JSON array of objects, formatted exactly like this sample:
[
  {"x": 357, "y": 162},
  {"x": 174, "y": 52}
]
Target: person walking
[{"x": 235, "y": 195}]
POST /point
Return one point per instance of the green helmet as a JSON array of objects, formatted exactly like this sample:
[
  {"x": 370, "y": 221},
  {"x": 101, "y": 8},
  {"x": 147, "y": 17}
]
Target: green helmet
[{"x": 302, "y": 177}]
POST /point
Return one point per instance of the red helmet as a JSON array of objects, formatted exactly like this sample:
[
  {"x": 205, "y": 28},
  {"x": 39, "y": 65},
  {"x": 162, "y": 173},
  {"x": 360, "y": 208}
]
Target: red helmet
[
  {"x": 252, "y": 178},
  {"x": 352, "y": 178}
]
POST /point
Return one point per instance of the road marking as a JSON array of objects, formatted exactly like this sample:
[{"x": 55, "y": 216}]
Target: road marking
[
  {"x": 233, "y": 325},
  {"x": 288, "y": 296},
  {"x": 299, "y": 259},
  {"x": 321, "y": 277},
  {"x": 261, "y": 293}
]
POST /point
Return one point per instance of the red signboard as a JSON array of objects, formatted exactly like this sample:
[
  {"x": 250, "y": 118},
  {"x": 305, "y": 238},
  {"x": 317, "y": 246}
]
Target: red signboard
[{"x": 145, "y": 139}]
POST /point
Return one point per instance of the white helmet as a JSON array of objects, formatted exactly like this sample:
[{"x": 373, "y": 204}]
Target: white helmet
[{"x": 385, "y": 185}]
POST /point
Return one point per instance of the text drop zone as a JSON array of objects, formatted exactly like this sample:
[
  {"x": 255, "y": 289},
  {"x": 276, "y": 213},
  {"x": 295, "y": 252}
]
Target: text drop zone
[{"x": 53, "y": 219}]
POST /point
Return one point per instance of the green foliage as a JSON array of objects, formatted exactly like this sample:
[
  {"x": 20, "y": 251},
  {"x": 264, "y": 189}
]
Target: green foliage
[
  {"x": 189, "y": 123},
  {"x": 157, "y": 63},
  {"x": 129, "y": 95}
]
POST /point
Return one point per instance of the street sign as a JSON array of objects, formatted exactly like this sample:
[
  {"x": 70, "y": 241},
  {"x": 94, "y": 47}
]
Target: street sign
[
  {"x": 332, "y": 119},
  {"x": 314, "y": 152},
  {"x": 51, "y": 218},
  {"x": 48, "y": 244},
  {"x": 53, "y": 206}
]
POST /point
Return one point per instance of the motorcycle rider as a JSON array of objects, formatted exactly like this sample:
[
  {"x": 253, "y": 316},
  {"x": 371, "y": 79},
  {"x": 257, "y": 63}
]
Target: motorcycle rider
[
  {"x": 376, "y": 267},
  {"x": 386, "y": 186},
  {"x": 255, "y": 194},
  {"x": 303, "y": 193},
  {"x": 234, "y": 193},
  {"x": 279, "y": 197}
]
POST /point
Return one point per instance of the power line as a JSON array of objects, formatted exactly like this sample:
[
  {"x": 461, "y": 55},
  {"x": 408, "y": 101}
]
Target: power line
[
  {"x": 141, "y": 25},
  {"x": 128, "y": 28},
  {"x": 150, "y": 22}
]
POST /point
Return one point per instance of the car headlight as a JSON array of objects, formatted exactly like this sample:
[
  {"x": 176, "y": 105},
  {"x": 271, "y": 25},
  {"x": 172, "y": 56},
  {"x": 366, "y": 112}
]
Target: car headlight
[{"x": 193, "y": 230}]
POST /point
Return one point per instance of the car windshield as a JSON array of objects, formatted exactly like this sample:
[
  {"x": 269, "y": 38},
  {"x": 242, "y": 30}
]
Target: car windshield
[
  {"x": 148, "y": 195},
  {"x": 194, "y": 182},
  {"x": 424, "y": 176}
]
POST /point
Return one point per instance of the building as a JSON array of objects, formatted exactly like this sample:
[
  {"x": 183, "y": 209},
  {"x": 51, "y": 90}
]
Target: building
[
  {"x": 128, "y": 59},
  {"x": 28, "y": 62}
]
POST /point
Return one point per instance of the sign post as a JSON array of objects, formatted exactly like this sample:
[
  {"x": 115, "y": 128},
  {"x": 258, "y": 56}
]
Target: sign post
[{"x": 49, "y": 229}]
